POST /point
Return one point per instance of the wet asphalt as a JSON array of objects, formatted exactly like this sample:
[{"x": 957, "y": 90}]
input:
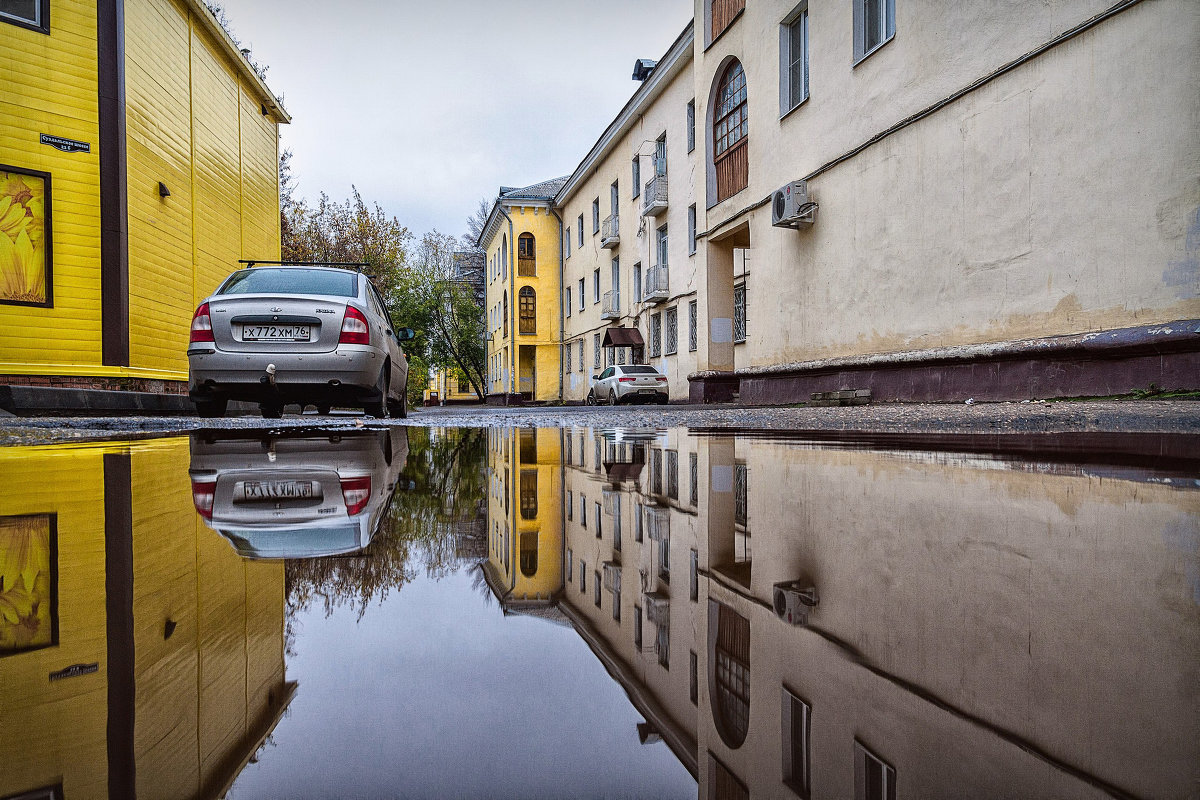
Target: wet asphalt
[{"x": 1157, "y": 416}]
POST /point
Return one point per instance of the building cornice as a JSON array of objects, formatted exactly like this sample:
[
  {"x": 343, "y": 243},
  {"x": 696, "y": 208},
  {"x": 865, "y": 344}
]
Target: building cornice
[{"x": 678, "y": 56}]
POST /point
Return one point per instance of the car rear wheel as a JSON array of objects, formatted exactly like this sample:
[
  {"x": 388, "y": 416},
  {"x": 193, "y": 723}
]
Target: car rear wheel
[
  {"x": 271, "y": 409},
  {"x": 210, "y": 409},
  {"x": 612, "y": 398},
  {"x": 399, "y": 408},
  {"x": 591, "y": 399},
  {"x": 323, "y": 410},
  {"x": 379, "y": 408}
]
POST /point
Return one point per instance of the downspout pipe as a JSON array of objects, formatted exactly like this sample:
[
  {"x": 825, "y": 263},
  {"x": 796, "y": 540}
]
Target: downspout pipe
[
  {"x": 511, "y": 268},
  {"x": 562, "y": 320}
]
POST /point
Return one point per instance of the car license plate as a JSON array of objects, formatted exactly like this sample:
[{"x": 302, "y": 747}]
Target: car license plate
[
  {"x": 276, "y": 333},
  {"x": 648, "y": 391},
  {"x": 277, "y": 490}
]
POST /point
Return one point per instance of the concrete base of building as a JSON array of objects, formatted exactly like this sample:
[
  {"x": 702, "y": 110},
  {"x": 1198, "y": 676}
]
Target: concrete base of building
[
  {"x": 509, "y": 399},
  {"x": 1084, "y": 365},
  {"x": 28, "y": 401}
]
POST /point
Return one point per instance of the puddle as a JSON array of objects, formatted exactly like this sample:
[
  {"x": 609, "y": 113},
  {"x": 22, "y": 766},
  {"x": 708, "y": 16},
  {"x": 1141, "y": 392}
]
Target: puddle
[{"x": 599, "y": 613}]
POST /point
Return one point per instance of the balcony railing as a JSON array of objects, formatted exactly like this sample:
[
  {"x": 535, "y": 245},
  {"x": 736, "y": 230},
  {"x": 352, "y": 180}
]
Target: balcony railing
[
  {"x": 654, "y": 198},
  {"x": 610, "y": 232},
  {"x": 657, "y": 287},
  {"x": 610, "y": 305}
]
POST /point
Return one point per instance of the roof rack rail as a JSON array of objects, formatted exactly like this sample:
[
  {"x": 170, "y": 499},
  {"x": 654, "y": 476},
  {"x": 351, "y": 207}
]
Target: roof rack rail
[{"x": 250, "y": 262}]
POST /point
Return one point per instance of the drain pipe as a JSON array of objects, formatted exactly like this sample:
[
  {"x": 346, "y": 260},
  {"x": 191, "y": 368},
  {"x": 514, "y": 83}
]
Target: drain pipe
[
  {"x": 562, "y": 323},
  {"x": 511, "y": 269}
]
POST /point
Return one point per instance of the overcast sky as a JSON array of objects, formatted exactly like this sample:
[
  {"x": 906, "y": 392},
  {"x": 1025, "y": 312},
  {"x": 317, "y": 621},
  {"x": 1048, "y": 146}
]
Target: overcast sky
[{"x": 428, "y": 106}]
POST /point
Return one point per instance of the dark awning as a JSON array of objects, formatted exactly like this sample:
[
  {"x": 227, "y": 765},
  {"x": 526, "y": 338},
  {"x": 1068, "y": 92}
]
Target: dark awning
[
  {"x": 623, "y": 337},
  {"x": 621, "y": 471}
]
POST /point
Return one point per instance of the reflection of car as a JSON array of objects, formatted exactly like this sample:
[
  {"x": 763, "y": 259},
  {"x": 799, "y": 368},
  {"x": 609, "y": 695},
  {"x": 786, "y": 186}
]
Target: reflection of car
[
  {"x": 307, "y": 335},
  {"x": 628, "y": 383},
  {"x": 301, "y": 495}
]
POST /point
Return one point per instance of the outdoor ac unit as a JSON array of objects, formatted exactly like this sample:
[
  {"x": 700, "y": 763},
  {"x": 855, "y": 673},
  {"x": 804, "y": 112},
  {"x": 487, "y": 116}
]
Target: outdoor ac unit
[
  {"x": 791, "y": 206},
  {"x": 794, "y": 601}
]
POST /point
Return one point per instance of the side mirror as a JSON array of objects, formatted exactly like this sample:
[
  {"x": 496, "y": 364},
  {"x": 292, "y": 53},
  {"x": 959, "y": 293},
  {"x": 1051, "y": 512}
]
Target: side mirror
[
  {"x": 596, "y": 377},
  {"x": 404, "y": 334}
]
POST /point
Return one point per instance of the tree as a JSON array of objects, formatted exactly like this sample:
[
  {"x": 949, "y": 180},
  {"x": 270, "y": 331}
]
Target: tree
[
  {"x": 456, "y": 315},
  {"x": 475, "y": 223}
]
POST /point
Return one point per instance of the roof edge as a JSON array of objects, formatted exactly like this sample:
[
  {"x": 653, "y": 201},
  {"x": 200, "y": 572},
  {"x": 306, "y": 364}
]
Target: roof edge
[{"x": 667, "y": 68}]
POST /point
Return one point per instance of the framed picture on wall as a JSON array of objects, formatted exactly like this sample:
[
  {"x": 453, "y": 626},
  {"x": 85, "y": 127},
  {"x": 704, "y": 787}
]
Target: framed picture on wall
[
  {"x": 25, "y": 258},
  {"x": 28, "y": 583}
]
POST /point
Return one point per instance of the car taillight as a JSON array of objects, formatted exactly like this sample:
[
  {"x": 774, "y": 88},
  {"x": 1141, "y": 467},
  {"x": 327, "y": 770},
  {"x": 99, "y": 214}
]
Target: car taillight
[
  {"x": 354, "y": 328},
  {"x": 203, "y": 495},
  {"x": 355, "y": 494},
  {"x": 661, "y": 379},
  {"x": 201, "y": 325},
  {"x": 625, "y": 380}
]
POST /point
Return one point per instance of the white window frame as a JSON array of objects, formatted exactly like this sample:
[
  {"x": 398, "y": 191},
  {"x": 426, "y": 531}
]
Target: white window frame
[
  {"x": 788, "y": 57},
  {"x": 692, "y": 229},
  {"x": 582, "y": 293},
  {"x": 581, "y": 231},
  {"x": 637, "y": 176},
  {"x": 596, "y": 285},
  {"x": 595, "y": 216},
  {"x": 887, "y": 27},
  {"x": 655, "y": 335}
]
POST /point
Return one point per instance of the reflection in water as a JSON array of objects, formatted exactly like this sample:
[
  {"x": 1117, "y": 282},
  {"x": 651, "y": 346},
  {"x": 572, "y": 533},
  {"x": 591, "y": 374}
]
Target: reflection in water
[{"x": 789, "y": 617}]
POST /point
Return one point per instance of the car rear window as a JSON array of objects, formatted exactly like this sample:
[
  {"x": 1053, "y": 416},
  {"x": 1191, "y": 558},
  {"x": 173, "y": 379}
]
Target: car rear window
[
  {"x": 639, "y": 370},
  {"x": 264, "y": 280}
]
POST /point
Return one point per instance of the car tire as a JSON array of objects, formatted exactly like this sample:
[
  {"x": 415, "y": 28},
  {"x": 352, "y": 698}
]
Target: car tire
[
  {"x": 323, "y": 410},
  {"x": 591, "y": 399},
  {"x": 379, "y": 408},
  {"x": 613, "y": 400},
  {"x": 213, "y": 408},
  {"x": 271, "y": 409}
]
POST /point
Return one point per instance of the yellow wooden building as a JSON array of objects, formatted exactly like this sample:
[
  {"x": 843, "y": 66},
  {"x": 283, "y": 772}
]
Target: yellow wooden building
[
  {"x": 148, "y": 657},
  {"x": 524, "y": 322},
  {"x": 138, "y": 164}
]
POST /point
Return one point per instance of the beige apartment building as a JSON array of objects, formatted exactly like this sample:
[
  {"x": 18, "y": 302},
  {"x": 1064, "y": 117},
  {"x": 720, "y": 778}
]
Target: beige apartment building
[{"x": 932, "y": 203}]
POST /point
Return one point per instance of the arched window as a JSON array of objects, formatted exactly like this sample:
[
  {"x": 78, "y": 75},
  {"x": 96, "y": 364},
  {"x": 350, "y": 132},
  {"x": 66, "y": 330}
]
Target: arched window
[
  {"x": 529, "y": 554},
  {"x": 730, "y": 131},
  {"x": 504, "y": 257},
  {"x": 505, "y": 314},
  {"x": 729, "y": 672},
  {"x": 527, "y": 310},
  {"x": 526, "y": 255}
]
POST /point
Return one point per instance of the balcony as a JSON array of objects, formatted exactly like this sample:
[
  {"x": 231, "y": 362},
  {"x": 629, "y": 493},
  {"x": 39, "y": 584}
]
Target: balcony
[
  {"x": 610, "y": 232},
  {"x": 654, "y": 198},
  {"x": 657, "y": 523},
  {"x": 657, "y": 287},
  {"x": 610, "y": 305}
]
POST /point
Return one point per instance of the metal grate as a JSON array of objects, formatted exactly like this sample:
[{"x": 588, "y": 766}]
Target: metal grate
[
  {"x": 741, "y": 478},
  {"x": 655, "y": 335},
  {"x": 692, "y": 314},
  {"x": 671, "y": 332},
  {"x": 739, "y": 313}
]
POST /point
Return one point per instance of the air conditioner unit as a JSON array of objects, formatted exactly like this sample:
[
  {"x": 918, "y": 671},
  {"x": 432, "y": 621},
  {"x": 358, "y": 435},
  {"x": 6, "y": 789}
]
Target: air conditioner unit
[
  {"x": 793, "y": 601},
  {"x": 791, "y": 206}
]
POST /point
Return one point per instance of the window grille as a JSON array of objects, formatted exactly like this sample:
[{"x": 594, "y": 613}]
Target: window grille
[
  {"x": 692, "y": 329},
  {"x": 739, "y": 313},
  {"x": 596, "y": 350},
  {"x": 671, "y": 334},
  {"x": 673, "y": 474},
  {"x": 655, "y": 335},
  {"x": 693, "y": 478}
]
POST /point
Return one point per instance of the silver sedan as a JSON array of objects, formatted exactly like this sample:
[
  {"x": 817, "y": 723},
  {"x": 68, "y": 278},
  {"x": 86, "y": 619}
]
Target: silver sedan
[
  {"x": 297, "y": 334},
  {"x": 624, "y": 383}
]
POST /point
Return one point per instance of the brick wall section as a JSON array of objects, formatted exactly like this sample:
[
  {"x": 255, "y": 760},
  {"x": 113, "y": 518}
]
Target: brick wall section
[{"x": 111, "y": 384}]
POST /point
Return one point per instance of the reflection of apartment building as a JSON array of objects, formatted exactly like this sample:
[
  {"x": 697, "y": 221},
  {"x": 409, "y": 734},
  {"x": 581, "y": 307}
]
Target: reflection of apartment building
[
  {"x": 162, "y": 665},
  {"x": 968, "y": 640},
  {"x": 951, "y": 234},
  {"x": 141, "y": 149}
]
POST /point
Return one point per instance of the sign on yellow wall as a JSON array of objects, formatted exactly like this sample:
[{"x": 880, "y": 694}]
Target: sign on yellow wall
[{"x": 24, "y": 237}]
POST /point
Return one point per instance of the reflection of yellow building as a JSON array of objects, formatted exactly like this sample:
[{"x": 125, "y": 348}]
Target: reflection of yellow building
[
  {"x": 524, "y": 563},
  {"x": 166, "y": 668},
  {"x": 147, "y": 148},
  {"x": 522, "y": 294}
]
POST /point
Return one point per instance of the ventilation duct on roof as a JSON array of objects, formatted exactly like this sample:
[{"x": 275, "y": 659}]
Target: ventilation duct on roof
[{"x": 643, "y": 67}]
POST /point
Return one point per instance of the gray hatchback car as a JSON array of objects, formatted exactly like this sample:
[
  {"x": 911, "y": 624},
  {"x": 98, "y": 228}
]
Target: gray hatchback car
[{"x": 297, "y": 334}]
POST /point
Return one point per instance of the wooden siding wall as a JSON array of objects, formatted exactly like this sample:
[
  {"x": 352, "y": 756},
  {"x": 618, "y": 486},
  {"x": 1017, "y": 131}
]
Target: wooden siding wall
[
  {"x": 195, "y": 124},
  {"x": 723, "y": 12},
  {"x": 733, "y": 171},
  {"x": 48, "y": 85}
]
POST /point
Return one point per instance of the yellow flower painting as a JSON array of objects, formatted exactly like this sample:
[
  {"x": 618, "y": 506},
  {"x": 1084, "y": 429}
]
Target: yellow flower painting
[
  {"x": 23, "y": 241},
  {"x": 26, "y": 584}
]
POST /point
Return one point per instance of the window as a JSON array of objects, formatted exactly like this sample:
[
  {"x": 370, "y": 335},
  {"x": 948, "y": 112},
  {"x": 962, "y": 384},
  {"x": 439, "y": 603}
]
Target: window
[
  {"x": 691, "y": 125},
  {"x": 637, "y": 283},
  {"x": 637, "y": 626},
  {"x": 529, "y": 554},
  {"x": 596, "y": 350},
  {"x": 673, "y": 474},
  {"x": 598, "y": 518},
  {"x": 595, "y": 216},
  {"x": 32, "y": 14},
  {"x": 693, "y": 479},
  {"x": 656, "y": 476},
  {"x": 692, "y": 313},
  {"x": 729, "y": 658},
  {"x": 874, "y": 26},
  {"x": 730, "y": 131},
  {"x": 662, "y": 246},
  {"x": 582, "y": 501},
  {"x": 655, "y": 335},
  {"x": 613, "y": 197},
  {"x": 568, "y": 301},
  {"x": 526, "y": 255},
  {"x": 660, "y": 156},
  {"x": 596, "y": 584},
  {"x": 506, "y": 313},
  {"x": 793, "y": 59},
  {"x": 527, "y": 308},
  {"x": 567, "y": 243},
  {"x": 693, "y": 687},
  {"x": 616, "y": 284},
  {"x": 529, "y": 494},
  {"x": 582, "y": 576},
  {"x": 581, "y": 346},
  {"x": 638, "y": 527},
  {"x": 504, "y": 257},
  {"x": 581, "y": 230},
  {"x": 671, "y": 331},
  {"x": 581, "y": 298},
  {"x": 694, "y": 577},
  {"x": 797, "y": 716},
  {"x": 739, "y": 313},
  {"x": 874, "y": 779},
  {"x": 637, "y": 176},
  {"x": 692, "y": 229},
  {"x": 570, "y": 565},
  {"x": 567, "y": 357},
  {"x": 570, "y": 507},
  {"x": 25, "y": 196},
  {"x": 596, "y": 285}
]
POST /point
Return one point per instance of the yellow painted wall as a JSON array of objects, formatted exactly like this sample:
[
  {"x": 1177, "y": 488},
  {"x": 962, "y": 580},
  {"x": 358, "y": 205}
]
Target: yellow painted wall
[
  {"x": 201, "y": 694},
  {"x": 195, "y": 122},
  {"x": 48, "y": 85}
]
